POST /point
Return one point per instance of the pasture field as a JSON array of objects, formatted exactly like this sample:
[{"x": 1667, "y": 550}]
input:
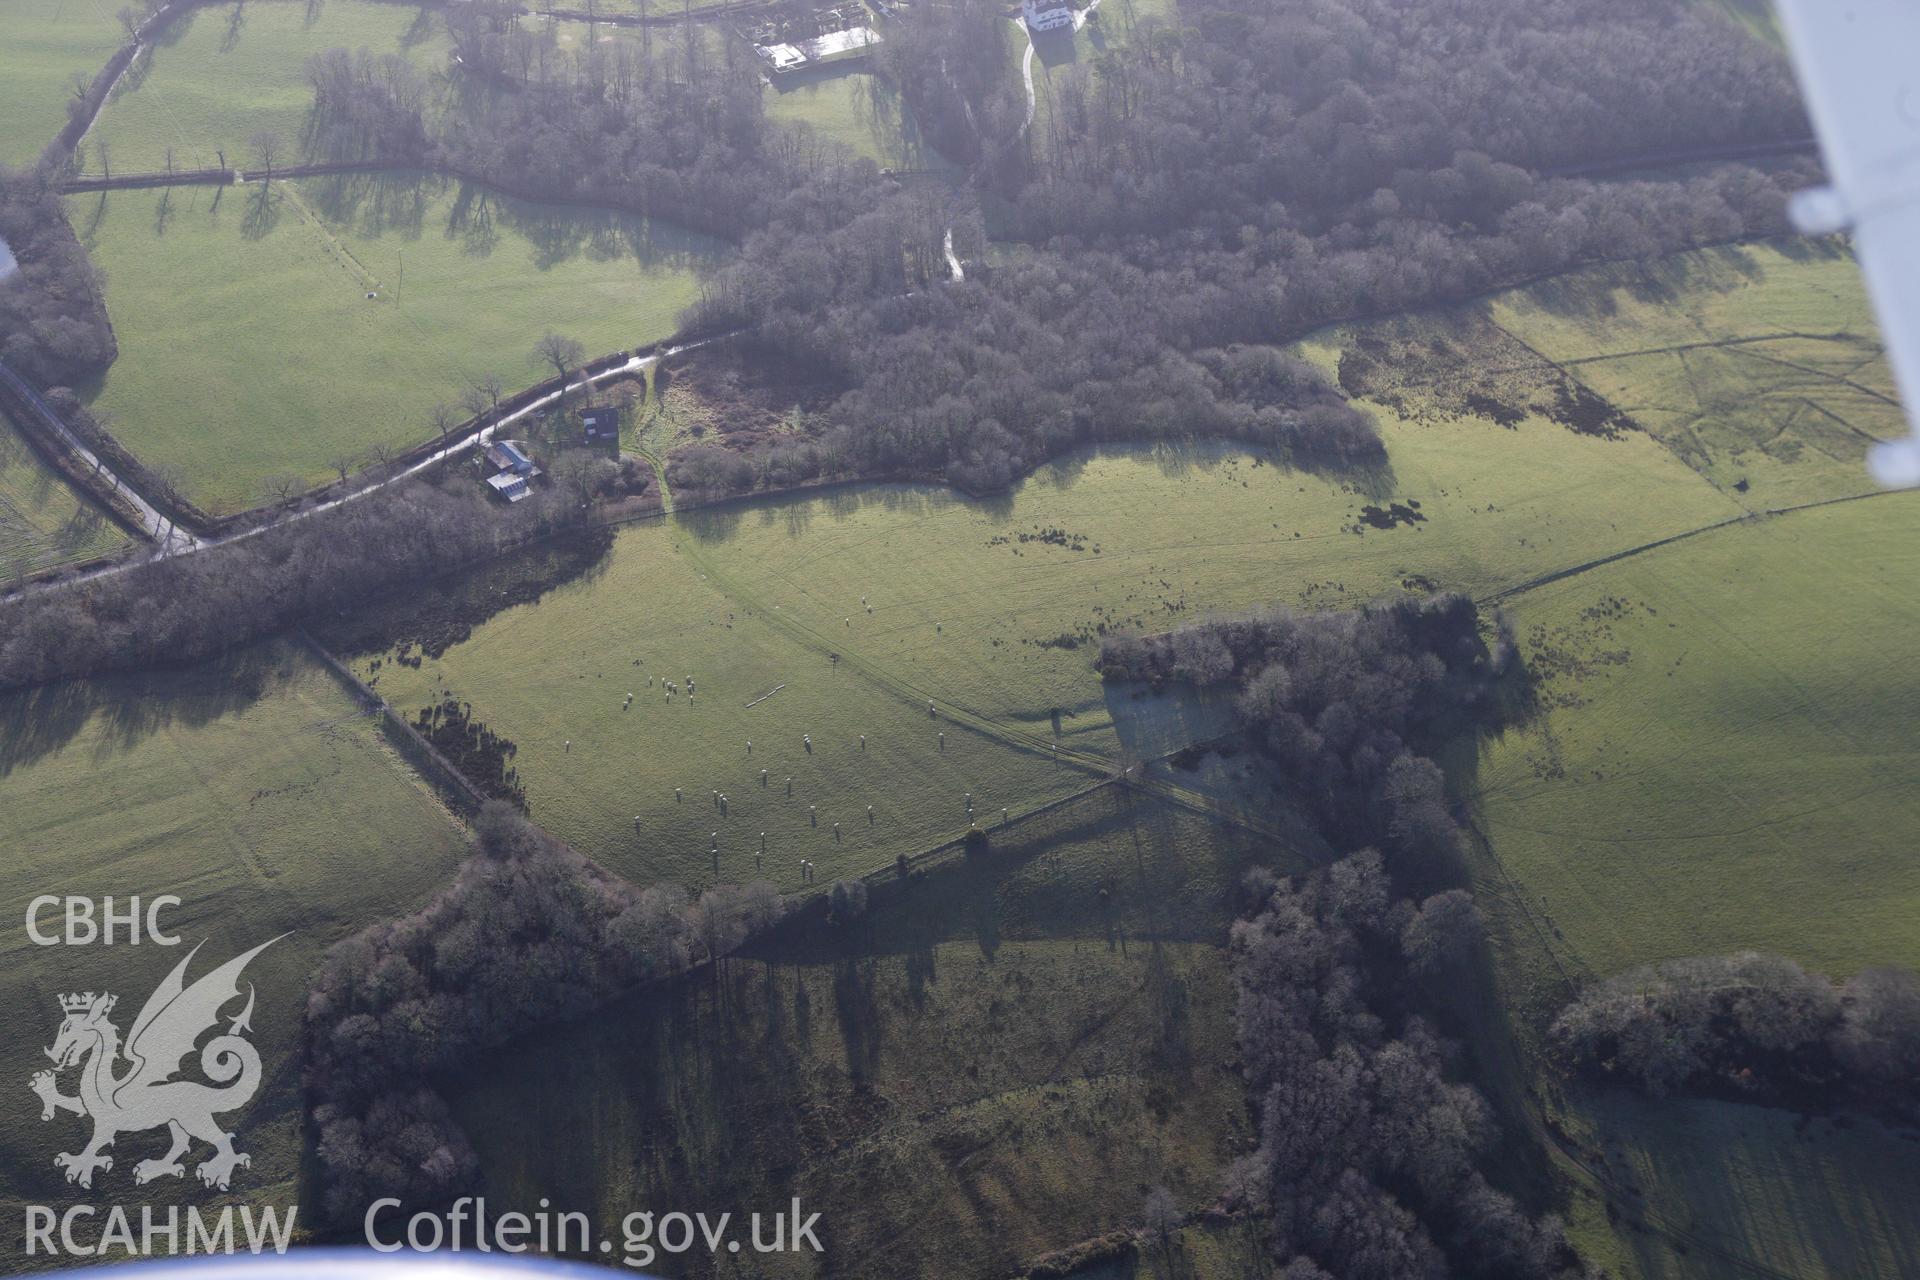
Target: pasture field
[
  {"x": 43, "y": 45},
  {"x": 1761, "y": 366},
  {"x": 1722, "y": 1191},
  {"x": 868, "y": 601},
  {"x": 249, "y": 346},
  {"x": 1723, "y": 756},
  {"x": 858, "y": 109},
  {"x": 998, "y": 605},
  {"x": 556, "y": 672},
  {"x": 43, "y": 520},
  {"x": 996, "y": 1063},
  {"x": 254, "y": 791},
  {"x": 223, "y": 73}
]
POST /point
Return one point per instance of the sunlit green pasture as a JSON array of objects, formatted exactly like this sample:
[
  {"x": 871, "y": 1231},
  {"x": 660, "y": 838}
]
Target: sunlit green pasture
[
  {"x": 249, "y": 346},
  {"x": 1760, "y": 365},
  {"x": 1724, "y": 758},
  {"x": 44, "y": 44},
  {"x": 254, "y": 790},
  {"x": 221, "y": 74}
]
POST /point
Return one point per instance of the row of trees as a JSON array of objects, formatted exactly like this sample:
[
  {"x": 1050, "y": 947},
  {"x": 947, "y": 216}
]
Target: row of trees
[
  {"x": 529, "y": 933},
  {"x": 1752, "y": 1027},
  {"x": 189, "y": 607}
]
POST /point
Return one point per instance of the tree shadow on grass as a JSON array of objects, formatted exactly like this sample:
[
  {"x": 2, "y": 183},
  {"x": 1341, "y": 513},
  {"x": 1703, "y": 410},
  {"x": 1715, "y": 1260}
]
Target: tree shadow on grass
[{"x": 122, "y": 711}]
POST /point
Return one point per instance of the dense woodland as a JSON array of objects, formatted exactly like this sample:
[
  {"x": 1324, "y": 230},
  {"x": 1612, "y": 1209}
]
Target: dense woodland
[
  {"x": 1754, "y": 1028},
  {"x": 1369, "y": 1139},
  {"x": 530, "y": 932}
]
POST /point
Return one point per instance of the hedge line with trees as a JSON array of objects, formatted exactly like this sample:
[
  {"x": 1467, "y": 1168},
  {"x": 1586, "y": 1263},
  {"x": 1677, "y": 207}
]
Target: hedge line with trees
[{"x": 1752, "y": 1027}]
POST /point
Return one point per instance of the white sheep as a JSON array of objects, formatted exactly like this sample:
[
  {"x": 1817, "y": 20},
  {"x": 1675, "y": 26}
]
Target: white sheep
[
  {"x": 569, "y": 744},
  {"x": 749, "y": 746}
]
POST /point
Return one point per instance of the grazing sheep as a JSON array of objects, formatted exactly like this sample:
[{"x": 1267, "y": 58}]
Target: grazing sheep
[
  {"x": 749, "y": 746},
  {"x": 569, "y": 744},
  {"x": 943, "y": 742},
  {"x": 863, "y": 742},
  {"x": 676, "y": 795}
]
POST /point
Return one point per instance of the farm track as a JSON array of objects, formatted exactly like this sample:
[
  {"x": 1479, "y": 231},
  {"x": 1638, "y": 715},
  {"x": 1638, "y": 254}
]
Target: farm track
[
  {"x": 1752, "y": 517},
  {"x": 978, "y": 722}
]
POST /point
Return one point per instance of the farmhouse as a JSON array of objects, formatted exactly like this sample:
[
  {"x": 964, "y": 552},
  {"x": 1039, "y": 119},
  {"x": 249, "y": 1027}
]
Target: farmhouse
[
  {"x": 600, "y": 426},
  {"x": 1046, "y": 15},
  {"x": 514, "y": 470}
]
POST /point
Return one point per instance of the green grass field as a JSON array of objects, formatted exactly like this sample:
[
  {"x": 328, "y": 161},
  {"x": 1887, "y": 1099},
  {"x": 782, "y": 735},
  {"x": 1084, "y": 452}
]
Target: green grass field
[
  {"x": 253, "y": 790},
  {"x": 222, "y": 73},
  {"x": 1721, "y": 1191},
  {"x": 1760, "y": 365},
  {"x": 249, "y": 347},
  {"x": 858, "y": 109},
  {"x": 43, "y": 45},
  {"x": 998, "y": 1063},
  {"x": 43, "y": 521},
  {"x": 925, "y": 595},
  {"x": 1723, "y": 759}
]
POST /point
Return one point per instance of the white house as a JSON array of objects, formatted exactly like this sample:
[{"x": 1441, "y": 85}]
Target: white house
[{"x": 1046, "y": 15}]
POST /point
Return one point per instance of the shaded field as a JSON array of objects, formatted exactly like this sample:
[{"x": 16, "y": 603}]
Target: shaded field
[
  {"x": 997, "y": 1062},
  {"x": 1732, "y": 1191},
  {"x": 43, "y": 45},
  {"x": 222, "y": 73},
  {"x": 249, "y": 346},
  {"x": 252, "y": 790},
  {"x": 1723, "y": 758},
  {"x": 1760, "y": 366},
  {"x": 43, "y": 521}
]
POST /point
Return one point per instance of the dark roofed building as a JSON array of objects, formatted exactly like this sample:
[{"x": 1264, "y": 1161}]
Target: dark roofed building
[{"x": 600, "y": 426}]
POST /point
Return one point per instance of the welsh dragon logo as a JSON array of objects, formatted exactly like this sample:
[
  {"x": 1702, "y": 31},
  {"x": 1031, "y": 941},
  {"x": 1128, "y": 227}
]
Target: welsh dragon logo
[{"x": 145, "y": 1094}]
